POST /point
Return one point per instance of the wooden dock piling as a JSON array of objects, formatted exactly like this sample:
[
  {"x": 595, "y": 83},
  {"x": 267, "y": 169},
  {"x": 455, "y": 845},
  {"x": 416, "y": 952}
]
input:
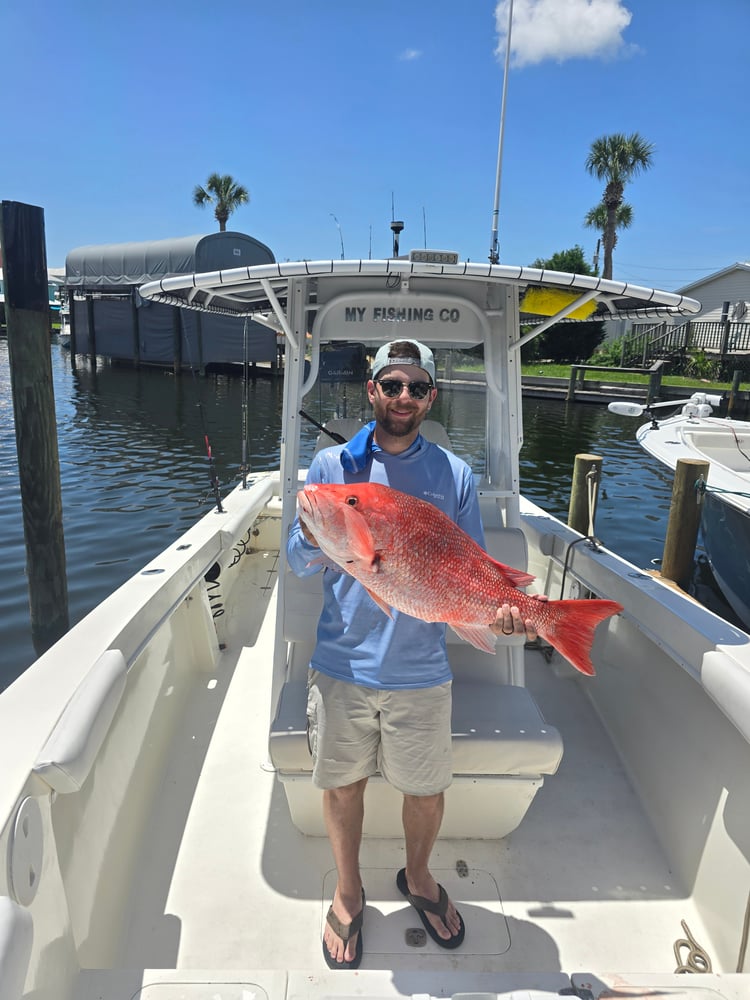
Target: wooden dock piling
[
  {"x": 684, "y": 520},
  {"x": 27, "y": 312}
]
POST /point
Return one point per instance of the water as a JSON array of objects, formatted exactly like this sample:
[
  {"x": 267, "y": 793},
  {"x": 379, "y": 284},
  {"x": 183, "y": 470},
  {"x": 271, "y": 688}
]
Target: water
[{"x": 135, "y": 472}]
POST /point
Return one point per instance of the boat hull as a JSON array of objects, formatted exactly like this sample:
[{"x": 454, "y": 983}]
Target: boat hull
[
  {"x": 726, "y": 537},
  {"x": 725, "y": 520}
]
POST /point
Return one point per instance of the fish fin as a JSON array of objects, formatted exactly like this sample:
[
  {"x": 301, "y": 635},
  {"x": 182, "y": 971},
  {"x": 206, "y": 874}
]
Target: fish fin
[
  {"x": 360, "y": 537},
  {"x": 572, "y": 631},
  {"x": 515, "y": 577},
  {"x": 380, "y": 603},
  {"x": 480, "y": 636}
]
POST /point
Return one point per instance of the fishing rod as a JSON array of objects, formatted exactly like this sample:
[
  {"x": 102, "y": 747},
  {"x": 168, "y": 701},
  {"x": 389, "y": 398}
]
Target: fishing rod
[
  {"x": 213, "y": 477},
  {"x": 244, "y": 466},
  {"x": 338, "y": 438}
]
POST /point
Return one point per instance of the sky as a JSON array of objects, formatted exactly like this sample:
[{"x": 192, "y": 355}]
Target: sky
[{"x": 340, "y": 115}]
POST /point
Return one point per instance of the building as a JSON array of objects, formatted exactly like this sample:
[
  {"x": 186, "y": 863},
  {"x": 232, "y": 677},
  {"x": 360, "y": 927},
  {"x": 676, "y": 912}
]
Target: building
[
  {"x": 108, "y": 318},
  {"x": 724, "y": 296}
]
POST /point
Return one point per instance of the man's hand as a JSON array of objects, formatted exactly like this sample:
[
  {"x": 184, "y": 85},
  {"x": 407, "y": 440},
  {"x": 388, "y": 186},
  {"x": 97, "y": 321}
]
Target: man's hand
[{"x": 510, "y": 622}]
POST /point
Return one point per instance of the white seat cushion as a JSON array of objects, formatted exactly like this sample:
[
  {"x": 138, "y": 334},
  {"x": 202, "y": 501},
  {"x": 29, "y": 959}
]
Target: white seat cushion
[{"x": 497, "y": 730}]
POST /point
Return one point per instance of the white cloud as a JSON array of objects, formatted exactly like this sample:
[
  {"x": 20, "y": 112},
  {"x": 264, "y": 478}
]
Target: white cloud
[
  {"x": 408, "y": 54},
  {"x": 562, "y": 29}
]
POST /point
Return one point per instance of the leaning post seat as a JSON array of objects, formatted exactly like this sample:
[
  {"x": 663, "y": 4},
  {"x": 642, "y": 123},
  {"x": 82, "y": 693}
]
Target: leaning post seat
[{"x": 502, "y": 746}]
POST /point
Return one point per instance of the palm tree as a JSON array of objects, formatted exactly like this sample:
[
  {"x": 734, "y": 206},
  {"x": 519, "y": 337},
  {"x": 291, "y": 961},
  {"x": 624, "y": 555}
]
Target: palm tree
[
  {"x": 223, "y": 192},
  {"x": 616, "y": 159},
  {"x": 596, "y": 218}
]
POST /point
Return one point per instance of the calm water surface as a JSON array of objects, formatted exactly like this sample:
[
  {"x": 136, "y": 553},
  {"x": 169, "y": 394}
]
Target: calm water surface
[{"x": 135, "y": 473}]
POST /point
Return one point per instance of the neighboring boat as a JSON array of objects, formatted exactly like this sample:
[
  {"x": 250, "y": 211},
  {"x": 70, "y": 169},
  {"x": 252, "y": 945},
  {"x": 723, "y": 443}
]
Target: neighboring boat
[
  {"x": 725, "y": 519},
  {"x": 160, "y": 836}
]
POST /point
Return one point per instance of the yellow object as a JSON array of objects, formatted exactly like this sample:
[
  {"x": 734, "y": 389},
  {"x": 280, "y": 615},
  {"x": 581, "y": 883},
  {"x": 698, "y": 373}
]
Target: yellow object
[{"x": 548, "y": 301}]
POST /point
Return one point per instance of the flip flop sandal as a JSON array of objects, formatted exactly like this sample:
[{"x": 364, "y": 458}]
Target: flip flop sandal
[
  {"x": 345, "y": 931},
  {"x": 423, "y": 906}
]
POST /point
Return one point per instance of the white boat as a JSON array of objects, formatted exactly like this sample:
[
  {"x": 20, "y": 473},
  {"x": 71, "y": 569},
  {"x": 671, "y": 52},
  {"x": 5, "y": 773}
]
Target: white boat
[
  {"x": 725, "y": 519},
  {"x": 160, "y": 835}
]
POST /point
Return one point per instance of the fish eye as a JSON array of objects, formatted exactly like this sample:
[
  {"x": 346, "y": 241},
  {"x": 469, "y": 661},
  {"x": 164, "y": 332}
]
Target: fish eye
[{"x": 352, "y": 501}]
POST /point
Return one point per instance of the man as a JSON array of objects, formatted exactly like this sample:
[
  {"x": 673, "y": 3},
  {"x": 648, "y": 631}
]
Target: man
[{"x": 379, "y": 691}]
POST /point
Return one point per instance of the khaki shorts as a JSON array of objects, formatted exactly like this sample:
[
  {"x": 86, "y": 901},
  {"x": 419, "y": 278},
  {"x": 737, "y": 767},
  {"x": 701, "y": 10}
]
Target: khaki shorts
[{"x": 354, "y": 732}]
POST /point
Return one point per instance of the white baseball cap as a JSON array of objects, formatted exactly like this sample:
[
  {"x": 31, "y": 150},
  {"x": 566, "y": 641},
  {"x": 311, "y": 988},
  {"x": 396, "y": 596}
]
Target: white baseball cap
[{"x": 393, "y": 354}]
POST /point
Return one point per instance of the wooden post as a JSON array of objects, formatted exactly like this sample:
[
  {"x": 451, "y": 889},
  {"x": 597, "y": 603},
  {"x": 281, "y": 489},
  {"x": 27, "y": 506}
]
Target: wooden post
[
  {"x": 176, "y": 340},
  {"x": 572, "y": 384},
  {"x": 27, "y": 311},
  {"x": 134, "y": 318},
  {"x": 72, "y": 322},
  {"x": 684, "y": 520},
  {"x": 586, "y": 474},
  {"x": 736, "y": 378},
  {"x": 92, "y": 329},
  {"x": 654, "y": 381}
]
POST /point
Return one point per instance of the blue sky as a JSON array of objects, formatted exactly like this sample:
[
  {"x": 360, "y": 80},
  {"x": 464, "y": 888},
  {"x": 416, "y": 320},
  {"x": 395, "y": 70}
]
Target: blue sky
[{"x": 329, "y": 111}]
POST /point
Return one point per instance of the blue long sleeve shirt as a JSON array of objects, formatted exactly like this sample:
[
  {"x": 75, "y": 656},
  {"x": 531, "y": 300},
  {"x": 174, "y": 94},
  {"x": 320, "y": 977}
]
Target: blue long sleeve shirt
[{"x": 356, "y": 640}]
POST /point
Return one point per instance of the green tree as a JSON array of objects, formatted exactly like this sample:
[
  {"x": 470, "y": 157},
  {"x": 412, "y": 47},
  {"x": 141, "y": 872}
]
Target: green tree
[
  {"x": 616, "y": 159},
  {"x": 568, "y": 341},
  {"x": 224, "y": 193},
  {"x": 573, "y": 261},
  {"x": 596, "y": 218}
]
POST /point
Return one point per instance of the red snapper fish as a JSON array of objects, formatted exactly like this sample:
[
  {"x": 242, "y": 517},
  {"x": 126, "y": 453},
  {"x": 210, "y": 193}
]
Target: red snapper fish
[{"x": 411, "y": 556}]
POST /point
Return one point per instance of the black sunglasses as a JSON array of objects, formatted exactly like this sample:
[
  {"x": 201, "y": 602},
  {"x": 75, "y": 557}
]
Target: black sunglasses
[{"x": 393, "y": 388}]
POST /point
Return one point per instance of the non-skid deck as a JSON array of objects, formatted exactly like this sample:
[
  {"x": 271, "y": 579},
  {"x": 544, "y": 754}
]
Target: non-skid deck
[{"x": 226, "y": 882}]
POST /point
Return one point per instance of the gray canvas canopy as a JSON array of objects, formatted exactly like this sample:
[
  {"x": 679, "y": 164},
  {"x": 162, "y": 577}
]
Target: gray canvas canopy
[
  {"x": 109, "y": 317},
  {"x": 122, "y": 265}
]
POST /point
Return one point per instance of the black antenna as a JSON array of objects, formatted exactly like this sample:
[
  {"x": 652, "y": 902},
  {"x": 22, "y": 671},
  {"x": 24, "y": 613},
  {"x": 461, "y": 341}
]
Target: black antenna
[
  {"x": 424, "y": 226},
  {"x": 397, "y": 227}
]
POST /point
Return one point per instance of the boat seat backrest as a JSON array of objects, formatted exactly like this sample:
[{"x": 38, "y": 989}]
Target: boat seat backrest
[
  {"x": 433, "y": 430},
  {"x": 347, "y": 427},
  {"x": 66, "y": 758}
]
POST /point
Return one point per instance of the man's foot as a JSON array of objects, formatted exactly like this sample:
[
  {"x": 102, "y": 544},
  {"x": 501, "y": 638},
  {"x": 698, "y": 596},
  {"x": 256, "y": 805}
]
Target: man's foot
[
  {"x": 342, "y": 939},
  {"x": 440, "y": 918}
]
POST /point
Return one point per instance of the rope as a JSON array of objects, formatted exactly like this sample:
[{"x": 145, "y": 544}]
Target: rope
[
  {"x": 697, "y": 959},
  {"x": 592, "y": 482},
  {"x": 702, "y": 487}
]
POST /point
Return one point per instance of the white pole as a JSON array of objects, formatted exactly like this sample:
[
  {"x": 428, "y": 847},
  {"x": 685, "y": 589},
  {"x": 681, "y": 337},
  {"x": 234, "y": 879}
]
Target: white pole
[{"x": 494, "y": 251}]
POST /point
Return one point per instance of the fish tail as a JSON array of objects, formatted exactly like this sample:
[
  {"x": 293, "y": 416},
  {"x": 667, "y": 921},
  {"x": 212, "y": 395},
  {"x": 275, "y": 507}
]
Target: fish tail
[{"x": 572, "y": 629}]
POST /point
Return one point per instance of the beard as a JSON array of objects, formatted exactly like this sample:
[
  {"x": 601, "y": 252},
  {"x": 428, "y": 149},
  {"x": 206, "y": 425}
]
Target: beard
[{"x": 401, "y": 426}]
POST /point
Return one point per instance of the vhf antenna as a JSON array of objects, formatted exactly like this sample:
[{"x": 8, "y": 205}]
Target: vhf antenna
[{"x": 397, "y": 227}]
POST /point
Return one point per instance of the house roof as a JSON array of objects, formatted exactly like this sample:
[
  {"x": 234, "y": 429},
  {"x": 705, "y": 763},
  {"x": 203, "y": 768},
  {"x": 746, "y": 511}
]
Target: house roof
[{"x": 738, "y": 266}]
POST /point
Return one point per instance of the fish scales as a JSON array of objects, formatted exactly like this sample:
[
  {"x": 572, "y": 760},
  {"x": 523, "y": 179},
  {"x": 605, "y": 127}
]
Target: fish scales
[{"x": 412, "y": 557}]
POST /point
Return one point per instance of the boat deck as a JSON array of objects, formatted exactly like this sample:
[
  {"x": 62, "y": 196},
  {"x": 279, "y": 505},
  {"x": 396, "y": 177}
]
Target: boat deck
[{"x": 227, "y": 883}]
